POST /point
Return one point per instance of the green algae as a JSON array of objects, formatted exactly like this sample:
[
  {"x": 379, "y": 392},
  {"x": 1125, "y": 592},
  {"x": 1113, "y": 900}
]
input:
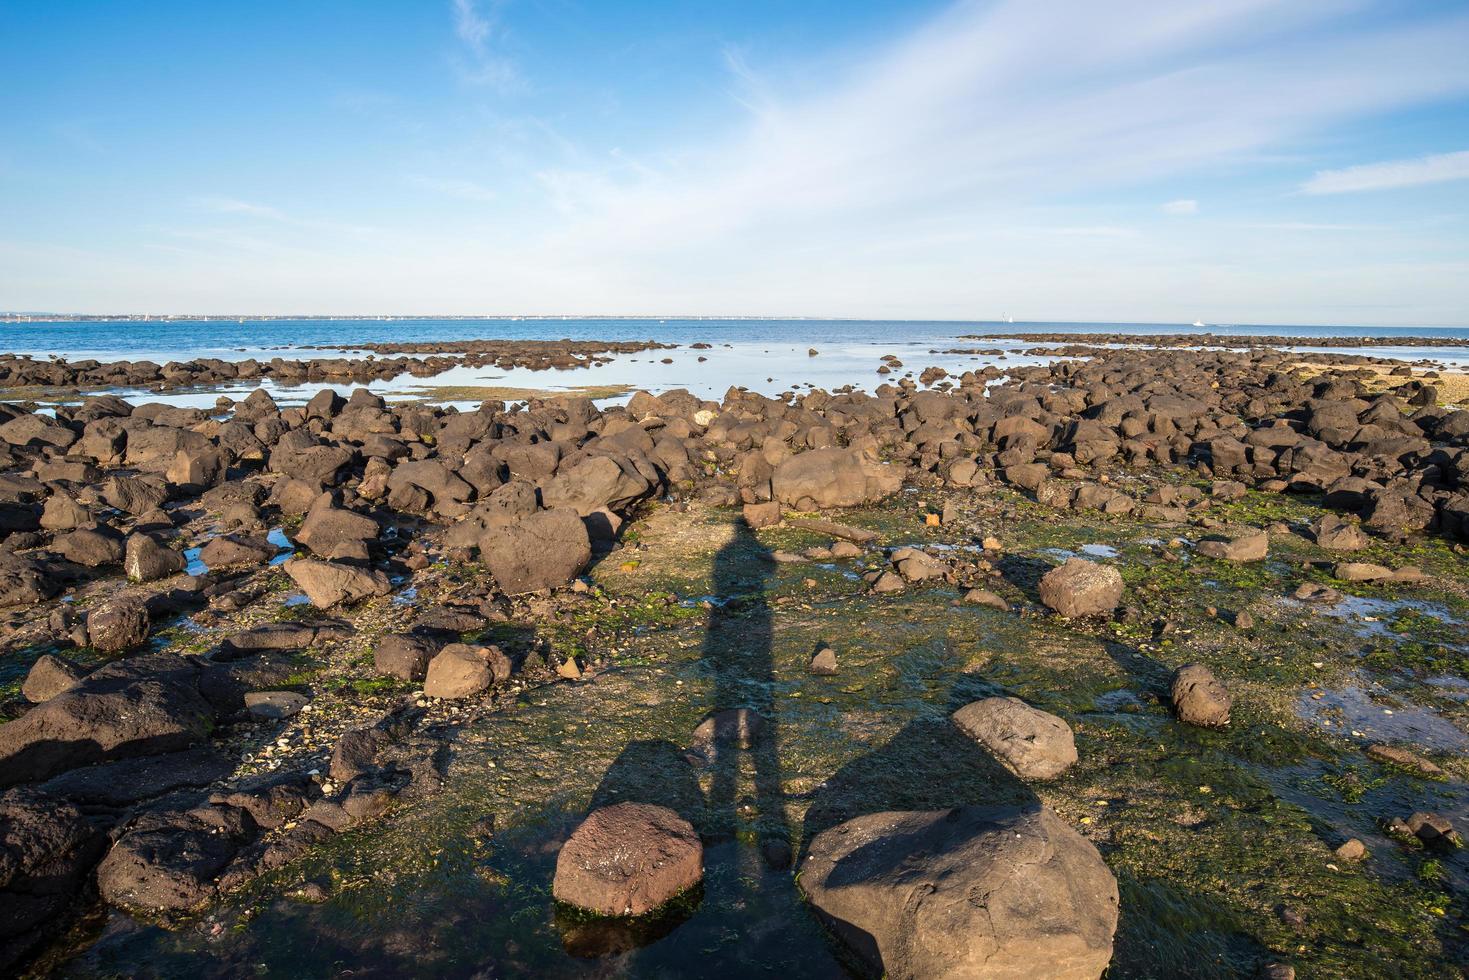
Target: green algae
[{"x": 1221, "y": 840}]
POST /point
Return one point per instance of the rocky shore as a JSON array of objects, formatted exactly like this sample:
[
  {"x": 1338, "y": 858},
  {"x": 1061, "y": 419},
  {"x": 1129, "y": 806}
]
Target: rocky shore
[
  {"x": 1208, "y": 339},
  {"x": 232, "y": 637},
  {"x": 24, "y": 371}
]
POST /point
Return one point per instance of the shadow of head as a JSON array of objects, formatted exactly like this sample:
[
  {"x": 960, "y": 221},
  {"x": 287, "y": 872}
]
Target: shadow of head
[
  {"x": 652, "y": 771},
  {"x": 1024, "y": 572},
  {"x": 928, "y": 765}
]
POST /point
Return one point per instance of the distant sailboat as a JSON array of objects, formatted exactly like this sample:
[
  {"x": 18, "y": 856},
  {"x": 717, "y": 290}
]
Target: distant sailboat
[
  {"x": 1006, "y": 318},
  {"x": 1199, "y": 323}
]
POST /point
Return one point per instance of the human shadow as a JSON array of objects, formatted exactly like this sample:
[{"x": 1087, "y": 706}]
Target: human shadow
[
  {"x": 928, "y": 765},
  {"x": 738, "y": 652}
]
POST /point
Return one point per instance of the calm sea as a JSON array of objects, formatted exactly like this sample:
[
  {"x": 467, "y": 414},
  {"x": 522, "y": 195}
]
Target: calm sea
[{"x": 177, "y": 339}]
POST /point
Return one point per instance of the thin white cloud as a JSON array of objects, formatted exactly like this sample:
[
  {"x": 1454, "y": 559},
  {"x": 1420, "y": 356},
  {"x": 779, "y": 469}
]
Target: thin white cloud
[
  {"x": 230, "y": 205},
  {"x": 478, "y": 28},
  {"x": 467, "y": 190},
  {"x": 1181, "y": 207},
  {"x": 1436, "y": 168}
]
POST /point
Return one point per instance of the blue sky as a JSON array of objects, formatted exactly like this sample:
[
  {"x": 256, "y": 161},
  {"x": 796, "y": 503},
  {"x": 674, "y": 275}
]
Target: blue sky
[{"x": 1240, "y": 161}]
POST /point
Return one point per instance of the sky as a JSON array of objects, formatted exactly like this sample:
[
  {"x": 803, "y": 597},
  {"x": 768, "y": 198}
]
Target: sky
[{"x": 1235, "y": 161}]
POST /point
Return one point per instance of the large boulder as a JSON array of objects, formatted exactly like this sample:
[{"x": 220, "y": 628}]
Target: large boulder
[
  {"x": 628, "y": 859},
  {"x": 25, "y": 581},
  {"x": 328, "y": 583},
  {"x": 169, "y": 861},
  {"x": 1081, "y": 588},
  {"x": 539, "y": 551},
  {"x": 144, "y": 705},
  {"x": 597, "y": 483},
  {"x": 979, "y": 891},
  {"x": 333, "y": 532},
  {"x": 833, "y": 478},
  {"x": 1030, "y": 743},
  {"x": 237, "y": 551},
  {"x": 46, "y": 849},
  {"x": 405, "y": 655}
]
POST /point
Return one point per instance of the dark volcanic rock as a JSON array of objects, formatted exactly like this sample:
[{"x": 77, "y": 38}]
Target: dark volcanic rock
[
  {"x": 405, "y": 655},
  {"x": 833, "y": 478},
  {"x": 328, "y": 583},
  {"x": 544, "y": 550},
  {"x": 119, "y": 624},
  {"x": 145, "y": 560},
  {"x": 46, "y": 849},
  {"x": 49, "y": 676},
  {"x": 168, "y": 862},
  {"x": 145, "y": 705}
]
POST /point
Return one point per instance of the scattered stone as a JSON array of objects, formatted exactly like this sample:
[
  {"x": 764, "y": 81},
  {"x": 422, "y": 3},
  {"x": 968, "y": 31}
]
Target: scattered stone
[
  {"x": 118, "y": 625},
  {"x": 1351, "y": 850},
  {"x": 274, "y": 705},
  {"x": 1431, "y": 828},
  {"x": 1199, "y": 698},
  {"x": 462, "y": 671},
  {"x": 1081, "y": 588},
  {"x": 824, "y": 662},
  {"x": 327, "y": 584},
  {"x": 983, "y": 597},
  {"x": 1335, "y": 534},
  {"x": 1396, "y": 756},
  {"x": 1246, "y": 547},
  {"x": 1030, "y": 743},
  {"x": 145, "y": 560},
  {"x": 762, "y": 515},
  {"x": 1358, "y": 571}
]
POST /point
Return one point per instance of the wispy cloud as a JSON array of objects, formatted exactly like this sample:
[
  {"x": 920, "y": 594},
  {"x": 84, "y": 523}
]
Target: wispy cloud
[
  {"x": 1433, "y": 169},
  {"x": 1181, "y": 207},
  {"x": 478, "y": 29},
  {"x": 466, "y": 190},
  {"x": 230, "y": 205}
]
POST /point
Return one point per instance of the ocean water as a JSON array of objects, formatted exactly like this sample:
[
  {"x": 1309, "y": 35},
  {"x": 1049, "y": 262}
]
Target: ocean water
[
  {"x": 230, "y": 339},
  {"x": 766, "y": 355}
]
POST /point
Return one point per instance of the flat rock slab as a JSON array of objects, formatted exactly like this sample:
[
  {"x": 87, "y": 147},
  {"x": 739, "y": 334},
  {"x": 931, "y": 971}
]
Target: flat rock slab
[{"x": 274, "y": 705}]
